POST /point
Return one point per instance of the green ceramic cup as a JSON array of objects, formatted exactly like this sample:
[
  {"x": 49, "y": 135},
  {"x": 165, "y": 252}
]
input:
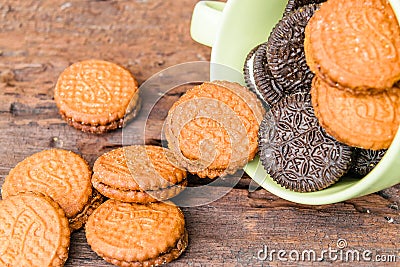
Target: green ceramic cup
[{"x": 232, "y": 30}]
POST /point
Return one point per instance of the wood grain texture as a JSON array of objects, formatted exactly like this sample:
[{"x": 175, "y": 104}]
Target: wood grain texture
[{"x": 38, "y": 39}]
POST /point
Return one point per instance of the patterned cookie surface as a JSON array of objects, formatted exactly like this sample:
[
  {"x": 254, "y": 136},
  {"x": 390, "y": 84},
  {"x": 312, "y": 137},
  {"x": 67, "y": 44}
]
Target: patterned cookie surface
[
  {"x": 364, "y": 121},
  {"x": 60, "y": 174},
  {"x": 366, "y": 160},
  {"x": 96, "y": 93},
  {"x": 138, "y": 174},
  {"x": 212, "y": 129},
  {"x": 285, "y": 51},
  {"x": 130, "y": 234},
  {"x": 270, "y": 89},
  {"x": 34, "y": 232},
  {"x": 296, "y": 151},
  {"x": 355, "y": 44}
]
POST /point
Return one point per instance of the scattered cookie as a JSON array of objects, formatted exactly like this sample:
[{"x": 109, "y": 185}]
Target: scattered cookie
[
  {"x": 60, "y": 174},
  {"x": 364, "y": 121},
  {"x": 259, "y": 79},
  {"x": 355, "y": 45},
  {"x": 138, "y": 174},
  {"x": 365, "y": 160},
  {"x": 212, "y": 129},
  {"x": 33, "y": 232},
  {"x": 97, "y": 96},
  {"x": 131, "y": 234},
  {"x": 295, "y": 150},
  {"x": 285, "y": 51},
  {"x": 293, "y": 5}
]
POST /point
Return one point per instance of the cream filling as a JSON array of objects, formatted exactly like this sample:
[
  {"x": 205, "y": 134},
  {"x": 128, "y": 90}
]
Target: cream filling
[{"x": 250, "y": 67}]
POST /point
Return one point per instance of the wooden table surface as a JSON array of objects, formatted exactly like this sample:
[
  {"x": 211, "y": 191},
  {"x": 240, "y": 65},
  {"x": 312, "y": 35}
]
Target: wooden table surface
[{"x": 38, "y": 39}]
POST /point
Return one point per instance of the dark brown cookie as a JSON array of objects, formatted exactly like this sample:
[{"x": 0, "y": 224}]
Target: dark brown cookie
[
  {"x": 296, "y": 151},
  {"x": 292, "y": 5},
  {"x": 259, "y": 79},
  {"x": 285, "y": 51},
  {"x": 365, "y": 160}
]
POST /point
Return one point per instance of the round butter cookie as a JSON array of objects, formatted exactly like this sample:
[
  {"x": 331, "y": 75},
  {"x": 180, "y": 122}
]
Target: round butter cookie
[
  {"x": 355, "y": 45},
  {"x": 33, "y": 232},
  {"x": 97, "y": 96},
  {"x": 60, "y": 174},
  {"x": 212, "y": 129},
  {"x": 135, "y": 235},
  {"x": 362, "y": 120},
  {"x": 138, "y": 173}
]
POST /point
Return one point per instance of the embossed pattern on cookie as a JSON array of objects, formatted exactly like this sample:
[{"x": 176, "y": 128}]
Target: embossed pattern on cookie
[
  {"x": 295, "y": 150},
  {"x": 138, "y": 173},
  {"x": 365, "y": 160},
  {"x": 60, "y": 174},
  {"x": 128, "y": 234},
  {"x": 96, "y": 96},
  {"x": 364, "y": 121},
  {"x": 285, "y": 51},
  {"x": 355, "y": 44},
  {"x": 33, "y": 232},
  {"x": 212, "y": 129}
]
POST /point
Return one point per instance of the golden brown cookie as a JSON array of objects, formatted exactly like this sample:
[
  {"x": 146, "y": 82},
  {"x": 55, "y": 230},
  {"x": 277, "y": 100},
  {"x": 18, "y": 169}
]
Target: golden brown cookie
[
  {"x": 364, "y": 121},
  {"x": 130, "y": 234},
  {"x": 33, "y": 232},
  {"x": 138, "y": 174},
  {"x": 212, "y": 129},
  {"x": 97, "y": 96},
  {"x": 60, "y": 174},
  {"x": 355, "y": 45}
]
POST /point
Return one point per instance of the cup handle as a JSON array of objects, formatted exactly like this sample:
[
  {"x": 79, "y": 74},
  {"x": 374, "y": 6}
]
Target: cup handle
[{"x": 206, "y": 20}]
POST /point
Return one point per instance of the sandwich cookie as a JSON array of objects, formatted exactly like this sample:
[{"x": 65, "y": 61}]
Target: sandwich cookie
[
  {"x": 33, "y": 232},
  {"x": 212, "y": 129},
  {"x": 355, "y": 45},
  {"x": 365, "y": 160},
  {"x": 136, "y": 235},
  {"x": 259, "y": 79},
  {"x": 285, "y": 51},
  {"x": 296, "y": 151},
  {"x": 138, "y": 174},
  {"x": 359, "y": 120},
  {"x": 62, "y": 175},
  {"x": 97, "y": 96}
]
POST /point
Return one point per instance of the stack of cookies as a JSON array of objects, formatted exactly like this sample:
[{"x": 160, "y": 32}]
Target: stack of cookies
[
  {"x": 357, "y": 66},
  {"x": 49, "y": 194},
  {"x": 328, "y": 75},
  {"x": 133, "y": 227},
  {"x": 45, "y": 197}
]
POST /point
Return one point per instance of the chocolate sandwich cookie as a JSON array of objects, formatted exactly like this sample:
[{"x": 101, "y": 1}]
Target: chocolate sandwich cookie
[
  {"x": 60, "y": 174},
  {"x": 97, "y": 96},
  {"x": 296, "y": 151},
  {"x": 138, "y": 174},
  {"x": 131, "y": 234},
  {"x": 248, "y": 70},
  {"x": 355, "y": 45},
  {"x": 212, "y": 129},
  {"x": 292, "y": 5},
  {"x": 33, "y": 232},
  {"x": 362, "y": 120},
  {"x": 365, "y": 160},
  {"x": 285, "y": 51},
  {"x": 259, "y": 79}
]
